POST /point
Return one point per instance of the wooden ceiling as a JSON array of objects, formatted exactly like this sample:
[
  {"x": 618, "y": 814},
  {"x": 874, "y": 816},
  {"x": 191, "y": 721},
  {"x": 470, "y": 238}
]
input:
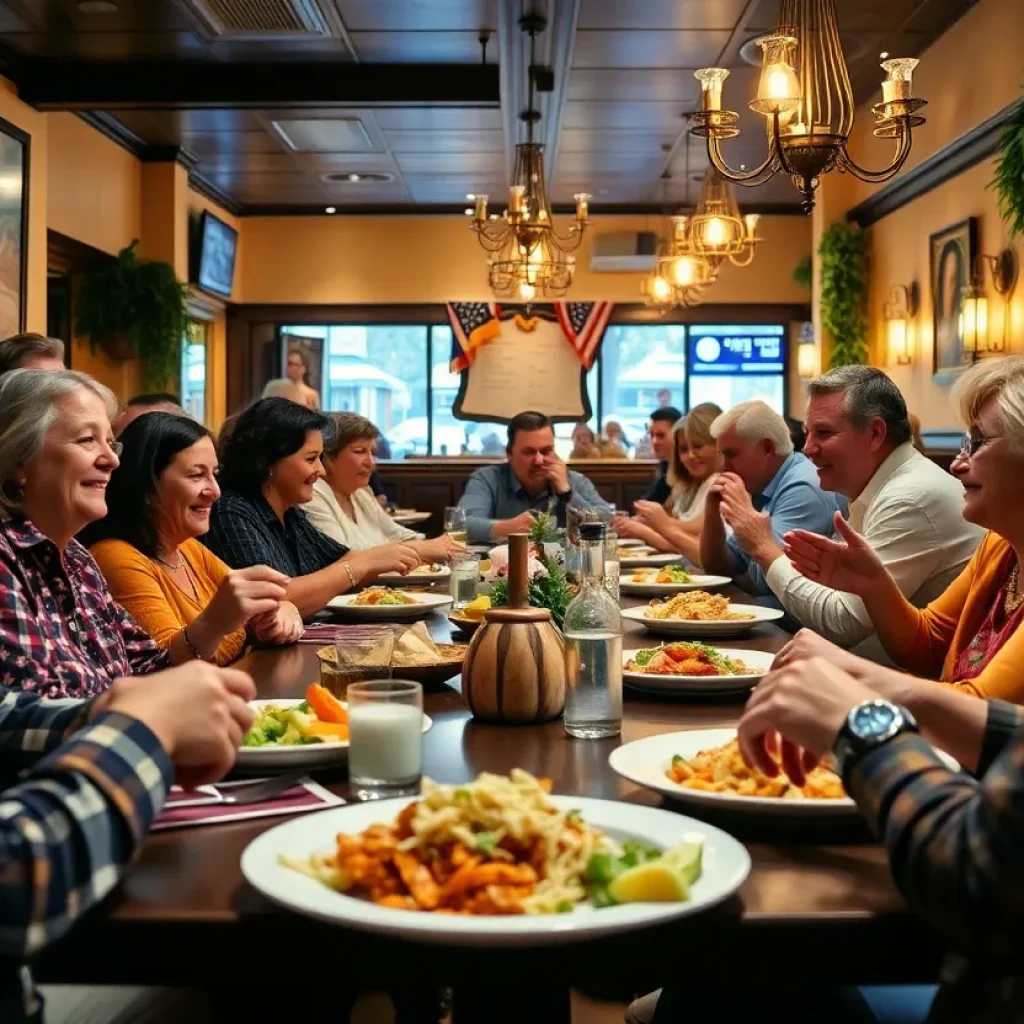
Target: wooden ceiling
[{"x": 276, "y": 103}]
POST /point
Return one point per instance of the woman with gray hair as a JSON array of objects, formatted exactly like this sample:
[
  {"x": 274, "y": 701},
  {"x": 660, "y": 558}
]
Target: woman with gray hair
[{"x": 61, "y": 633}]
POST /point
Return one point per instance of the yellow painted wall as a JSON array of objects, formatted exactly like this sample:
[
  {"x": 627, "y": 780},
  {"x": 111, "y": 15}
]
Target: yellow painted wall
[
  {"x": 972, "y": 72},
  {"x": 437, "y": 259}
]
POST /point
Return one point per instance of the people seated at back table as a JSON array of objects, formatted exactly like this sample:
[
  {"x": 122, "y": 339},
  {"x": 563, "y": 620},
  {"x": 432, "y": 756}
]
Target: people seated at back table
[
  {"x": 500, "y": 500},
  {"x": 676, "y": 525},
  {"x": 586, "y": 445},
  {"x": 908, "y": 509},
  {"x": 659, "y": 433},
  {"x": 159, "y": 501},
  {"x": 343, "y": 505},
  {"x": 159, "y": 401},
  {"x": 62, "y": 634},
  {"x": 969, "y": 636},
  {"x": 269, "y": 464},
  {"x": 762, "y": 477},
  {"x": 31, "y": 352},
  {"x": 295, "y": 384}
]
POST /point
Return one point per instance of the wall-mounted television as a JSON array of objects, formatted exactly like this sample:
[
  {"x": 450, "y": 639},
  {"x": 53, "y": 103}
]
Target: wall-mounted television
[{"x": 218, "y": 243}]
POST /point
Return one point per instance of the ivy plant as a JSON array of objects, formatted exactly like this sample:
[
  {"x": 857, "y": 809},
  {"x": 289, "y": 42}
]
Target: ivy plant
[
  {"x": 844, "y": 291},
  {"x": 803, "y": 272},
  {"x": 1008, "y": 182}
]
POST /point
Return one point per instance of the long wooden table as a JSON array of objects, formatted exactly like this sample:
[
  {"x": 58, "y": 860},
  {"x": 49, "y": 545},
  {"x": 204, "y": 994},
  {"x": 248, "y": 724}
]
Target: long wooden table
[{"x": 820, "y": 899}]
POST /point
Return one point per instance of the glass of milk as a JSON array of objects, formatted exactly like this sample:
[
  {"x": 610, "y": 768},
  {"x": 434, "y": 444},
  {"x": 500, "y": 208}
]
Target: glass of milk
[{"x": 385, "y": 752}]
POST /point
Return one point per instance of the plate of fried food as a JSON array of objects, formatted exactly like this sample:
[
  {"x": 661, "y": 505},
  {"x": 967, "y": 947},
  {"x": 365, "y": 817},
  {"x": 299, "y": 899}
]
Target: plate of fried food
[
  {"x": 698, "y": 613},
  {"x": 704, "y": 767},
  {"x": 421, "y": 576},
  {"x": 290, "y": 734},
  {"x": 469, "y": 616},
  {"x": 387, "y": 603},
  {"x": 637, "y": 558},
  {"x": 670, "y": 579},
  {"x": 690, "y": 667},
  {"x": 497, "y": 861}
]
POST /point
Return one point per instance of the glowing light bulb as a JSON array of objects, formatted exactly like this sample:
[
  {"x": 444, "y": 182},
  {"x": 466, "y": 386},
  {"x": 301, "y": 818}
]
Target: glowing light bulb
[
  {"x": 526, "y": 291},
  {"x": 684, "y": 271},
  {"x": 779, "y": 83},
  {"x": 715, "y": 233},
  {"x": 660, "y": 288}
]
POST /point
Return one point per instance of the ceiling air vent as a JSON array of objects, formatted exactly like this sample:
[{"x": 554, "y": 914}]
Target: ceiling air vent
[
  {"x": 263, "y": 19},
  {"x": 619, "y": 252}
]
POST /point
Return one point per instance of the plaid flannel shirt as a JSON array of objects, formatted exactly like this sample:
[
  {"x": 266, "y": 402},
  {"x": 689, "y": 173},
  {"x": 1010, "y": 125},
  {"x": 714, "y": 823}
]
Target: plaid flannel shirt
[
  {"x": 61, "y": 632},
  {"x": 956, "y": 849},
  {"x": 70, "y": 827}
]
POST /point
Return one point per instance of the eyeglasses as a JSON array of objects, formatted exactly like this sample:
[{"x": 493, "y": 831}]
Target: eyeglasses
[
  {"x": 970, "y": 444},
  {"x": 90, "y": 443}
]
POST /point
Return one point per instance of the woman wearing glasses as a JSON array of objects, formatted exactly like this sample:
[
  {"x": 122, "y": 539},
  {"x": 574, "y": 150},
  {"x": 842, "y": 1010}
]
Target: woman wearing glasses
[
  {"x": 61, "y": 632},
  {"x": 969, "y": 636}
]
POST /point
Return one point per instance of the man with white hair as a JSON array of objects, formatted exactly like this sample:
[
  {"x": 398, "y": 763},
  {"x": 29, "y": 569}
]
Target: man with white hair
[{"x": 762, "y": 477}]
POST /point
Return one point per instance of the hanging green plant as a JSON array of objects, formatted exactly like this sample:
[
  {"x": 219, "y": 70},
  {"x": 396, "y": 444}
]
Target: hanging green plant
[
  {"x": 135, "y": 308},
  {"x": 844, "y": 290},
  {"x": 1009, "y": 177},
  {"x": 803, "y": 272}
]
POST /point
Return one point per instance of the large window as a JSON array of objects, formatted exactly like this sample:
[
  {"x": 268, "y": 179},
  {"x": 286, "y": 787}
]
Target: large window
[{"x": 398, "y": 376}]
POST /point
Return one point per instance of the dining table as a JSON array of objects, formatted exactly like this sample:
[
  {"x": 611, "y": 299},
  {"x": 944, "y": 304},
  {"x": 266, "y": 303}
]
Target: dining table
[{"x": 819, "y": 903}]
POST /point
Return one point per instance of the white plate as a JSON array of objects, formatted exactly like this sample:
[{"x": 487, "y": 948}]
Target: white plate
[
  {"x": 690, "y": 628},
  {"x": 655, "y": 558},
  {"x": 646, "y": 761},
  {"x": 413, "y": 579},
  {"x": 313, "y": 755},
  {"x": 408, "y": 518},
  {"x": 697, "y": 582},
  {"x": 631, "y": 542},
  {"x": 760, "y": 660},
  {"x": 343, "y": 607},
  {"x": 726, "y": 866}
]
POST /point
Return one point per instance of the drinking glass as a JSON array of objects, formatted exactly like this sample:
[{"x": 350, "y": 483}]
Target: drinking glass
[
  {"x": 359, "y": 657},
  {"x": 465, "y": 578},
  {"x": 385, "y": 752},
  {"x": 611, "y": 564},
  {"x": 455, "y": 523}
]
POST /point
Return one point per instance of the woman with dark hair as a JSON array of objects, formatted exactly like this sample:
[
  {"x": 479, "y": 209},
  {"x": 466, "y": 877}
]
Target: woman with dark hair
[
  {"x": 270, "y": 463},
  {"x": 158, "y": 502}
]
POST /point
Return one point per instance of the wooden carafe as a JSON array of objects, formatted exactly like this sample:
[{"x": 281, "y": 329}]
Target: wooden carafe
[{"x": 514, "y": 671}]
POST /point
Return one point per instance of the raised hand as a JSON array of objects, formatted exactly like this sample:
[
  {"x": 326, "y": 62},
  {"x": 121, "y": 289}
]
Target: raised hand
[
  {"x": 282, "y": 626},
  {"x": 650, "y": 513},
  {"x": 850, "y": 565},
  {"x": 244, "y": 594}
]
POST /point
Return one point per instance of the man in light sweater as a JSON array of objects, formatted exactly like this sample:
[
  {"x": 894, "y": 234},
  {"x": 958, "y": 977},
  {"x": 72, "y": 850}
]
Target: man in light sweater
[{"x": 909, "y": 510}]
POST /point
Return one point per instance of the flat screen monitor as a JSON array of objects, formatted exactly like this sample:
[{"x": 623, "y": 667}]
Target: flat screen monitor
[{"x": 218, "y": 243}]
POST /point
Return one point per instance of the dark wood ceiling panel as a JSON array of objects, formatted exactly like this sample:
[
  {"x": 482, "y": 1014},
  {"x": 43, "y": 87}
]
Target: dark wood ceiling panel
[
  {"x": 244, "y": 164},
  {"x": 639, "y": 117},
  {"x": 215, "y": 144},
  {"x": 445, "y": 142},
  {"x": 435, "y": 189},
  {"x": 666, "y": 85},
  {"x": 582, "y": 140},
  {"x": 438, "y": 118},
  {"x": 109, "y": 45},
  {"x": 148, "y": 128},
  {"x": 647, "y": 49},
  {"x": 451, "y": 163},
  {"x": 422, "y": 15},
  {"x": 182, "y": 122},
  {"x": 660, "y": 14},
  {"x": 419, "y": 47},
  {"x": 59, "y": 16},
  {"x": 641, "y": 164},
  {"x": 852, "y": 15}
]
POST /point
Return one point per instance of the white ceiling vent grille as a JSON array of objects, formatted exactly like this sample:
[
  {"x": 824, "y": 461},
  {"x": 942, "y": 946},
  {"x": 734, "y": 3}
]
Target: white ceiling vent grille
[{"x": 263, "y": 19}]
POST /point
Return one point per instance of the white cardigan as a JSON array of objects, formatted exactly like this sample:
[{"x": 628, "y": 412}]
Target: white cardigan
[{"x": 371, "y": 527}]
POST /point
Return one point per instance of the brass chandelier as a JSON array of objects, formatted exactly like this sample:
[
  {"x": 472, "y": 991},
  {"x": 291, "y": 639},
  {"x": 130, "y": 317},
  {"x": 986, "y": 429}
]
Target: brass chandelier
[
  {"x": 805, "y": 94},
  {"x": 529, "y": 258}
]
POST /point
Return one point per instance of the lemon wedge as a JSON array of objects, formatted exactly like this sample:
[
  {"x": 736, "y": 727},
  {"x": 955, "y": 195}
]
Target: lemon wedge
[{"x": 653, "y": 882}]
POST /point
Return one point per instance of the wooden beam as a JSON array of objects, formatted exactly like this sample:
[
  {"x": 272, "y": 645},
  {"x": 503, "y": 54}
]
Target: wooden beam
[{"x": 133, "y": 85}]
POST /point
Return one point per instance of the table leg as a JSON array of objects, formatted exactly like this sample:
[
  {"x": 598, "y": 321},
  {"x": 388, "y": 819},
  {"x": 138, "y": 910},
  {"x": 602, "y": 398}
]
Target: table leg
[{"x": 538, "y": 1001}]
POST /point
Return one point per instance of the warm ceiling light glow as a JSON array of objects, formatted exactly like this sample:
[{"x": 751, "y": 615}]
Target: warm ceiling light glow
[
  {"x": 715, "y": 234},
  {"x": 526, "y": 291},
  {"x": 660, "y": 288},
  {"x": 684, "y": 271},
  {"x": 353, "y": 177},
  {"x": 331, "y": 209}
]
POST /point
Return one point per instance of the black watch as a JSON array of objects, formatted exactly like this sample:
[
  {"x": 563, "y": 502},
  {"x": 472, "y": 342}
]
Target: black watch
[
  {"x": 565, "y": 495},
  {"x": 867, "y": 726}
]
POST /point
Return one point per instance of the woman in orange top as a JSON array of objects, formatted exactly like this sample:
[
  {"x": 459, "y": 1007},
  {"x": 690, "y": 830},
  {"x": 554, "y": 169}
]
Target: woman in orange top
[
  {"x": 969, "y": 637},
  {"x": 158, "y": 503}
]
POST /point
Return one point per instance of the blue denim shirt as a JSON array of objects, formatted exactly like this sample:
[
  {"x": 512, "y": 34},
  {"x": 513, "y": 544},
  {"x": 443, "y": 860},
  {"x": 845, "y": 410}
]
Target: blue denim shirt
[{"x": 795, "y": 501}]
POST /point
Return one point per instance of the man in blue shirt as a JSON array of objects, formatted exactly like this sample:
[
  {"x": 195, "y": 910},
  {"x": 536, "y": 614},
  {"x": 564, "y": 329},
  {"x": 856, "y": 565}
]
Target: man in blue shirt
[
  {"x": 760, "y": 471},
  {"x": 500, "y": 500},
  {"x": 662, "y": 439}
]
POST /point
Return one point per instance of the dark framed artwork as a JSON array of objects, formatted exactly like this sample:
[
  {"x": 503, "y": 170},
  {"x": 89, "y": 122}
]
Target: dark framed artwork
[
  {"x": 951, "y": 259},
  {"x": 14, "y": 184}
]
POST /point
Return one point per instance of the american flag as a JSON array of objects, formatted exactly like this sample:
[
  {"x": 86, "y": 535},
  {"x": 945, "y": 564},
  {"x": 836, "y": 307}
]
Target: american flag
[
  {"x": 473, "y": 324},
  {"x": 584, "y": 324}
]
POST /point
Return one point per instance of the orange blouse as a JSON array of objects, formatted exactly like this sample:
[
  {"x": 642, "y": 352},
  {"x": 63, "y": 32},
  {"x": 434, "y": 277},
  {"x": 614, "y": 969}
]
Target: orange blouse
[
  {"x": 947, "y": 625},
  {"x": 146, "y": 590}
]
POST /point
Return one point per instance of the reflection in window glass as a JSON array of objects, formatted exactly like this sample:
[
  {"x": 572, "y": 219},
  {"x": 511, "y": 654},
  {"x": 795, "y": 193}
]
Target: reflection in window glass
[
  {"x": 193, "y": 370},
  {"x": 729, "y": 391}
]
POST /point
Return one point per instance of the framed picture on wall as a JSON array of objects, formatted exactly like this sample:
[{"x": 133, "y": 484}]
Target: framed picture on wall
[
  {"x": 14, "y": 168},
  {"x": 951, "y": 253}
]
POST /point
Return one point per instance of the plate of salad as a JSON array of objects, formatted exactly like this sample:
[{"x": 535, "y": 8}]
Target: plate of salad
[
  {"x": 311, "y": 732},
  {"x": 688, "y": 666},
  {"x": 669, "y": 579}
]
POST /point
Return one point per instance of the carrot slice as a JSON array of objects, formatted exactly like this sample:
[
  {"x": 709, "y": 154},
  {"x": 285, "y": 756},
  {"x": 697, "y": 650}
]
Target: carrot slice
[
  {"x": 327, "y": 707},
  {"x": 328, "y": 730}
]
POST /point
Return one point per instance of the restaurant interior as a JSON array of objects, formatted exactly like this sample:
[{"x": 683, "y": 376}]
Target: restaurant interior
[{"x": 351, "y": 181}]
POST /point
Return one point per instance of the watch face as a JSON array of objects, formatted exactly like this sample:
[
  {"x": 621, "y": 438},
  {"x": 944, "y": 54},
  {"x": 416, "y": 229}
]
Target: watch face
[{"x": 873, "y": 720}]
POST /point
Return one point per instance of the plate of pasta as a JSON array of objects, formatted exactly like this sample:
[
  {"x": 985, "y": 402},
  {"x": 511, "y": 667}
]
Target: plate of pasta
[
  {"x": 670, "y": 579},
  {"x": 704, "y": 768},
  {"x": 698, "y": 613},
  {"x": 387, "y": 603},
  {"x": 688, "y": 666},
  {"x": 497, "y": 861}
]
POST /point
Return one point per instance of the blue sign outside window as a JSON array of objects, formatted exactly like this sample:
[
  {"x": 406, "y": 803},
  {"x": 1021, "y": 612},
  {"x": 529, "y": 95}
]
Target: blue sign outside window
[{"x": 736, "y": 349}]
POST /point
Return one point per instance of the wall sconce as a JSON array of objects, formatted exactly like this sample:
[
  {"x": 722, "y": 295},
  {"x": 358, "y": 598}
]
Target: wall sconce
[
  {"x": 899, "y": 311},
  {"x": 974, "y": 313},
  {"x": 807, "y": 353}
]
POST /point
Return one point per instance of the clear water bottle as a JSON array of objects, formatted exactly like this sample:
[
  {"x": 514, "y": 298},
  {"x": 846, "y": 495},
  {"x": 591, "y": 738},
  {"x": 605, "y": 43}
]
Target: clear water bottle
[{"x": 593, "y": 647}]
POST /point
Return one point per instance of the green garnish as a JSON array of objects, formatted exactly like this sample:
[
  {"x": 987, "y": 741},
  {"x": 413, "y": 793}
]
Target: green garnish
[
  {"x": 575, "y": 815},
  {"x": 486, "y": 842},
  {"x": 564, "y": 907},
  {"x": 643, "y": 657}
]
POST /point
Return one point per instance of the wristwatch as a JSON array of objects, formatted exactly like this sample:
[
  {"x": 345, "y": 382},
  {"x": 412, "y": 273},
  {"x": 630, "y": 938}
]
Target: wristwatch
[{"x": 867, "y": 726}]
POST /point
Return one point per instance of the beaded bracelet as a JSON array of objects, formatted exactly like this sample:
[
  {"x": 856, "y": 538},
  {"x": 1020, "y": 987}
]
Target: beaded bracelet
[
  {"x": 351, "y": 575},
  {"x": 191, "y": 647}
]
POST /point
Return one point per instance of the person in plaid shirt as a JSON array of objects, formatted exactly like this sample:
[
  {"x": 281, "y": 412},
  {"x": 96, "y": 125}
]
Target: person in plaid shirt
[
  {"x": 71, "y": 825},
  {"x": 61, "y": 633}
]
